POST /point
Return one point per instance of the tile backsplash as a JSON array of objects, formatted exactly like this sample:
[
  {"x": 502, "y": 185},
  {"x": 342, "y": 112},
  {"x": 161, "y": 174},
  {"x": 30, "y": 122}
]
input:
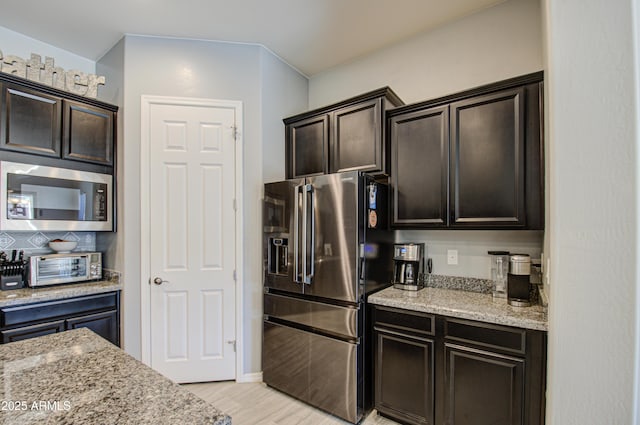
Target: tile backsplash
[{"x": 37, "y": 242}]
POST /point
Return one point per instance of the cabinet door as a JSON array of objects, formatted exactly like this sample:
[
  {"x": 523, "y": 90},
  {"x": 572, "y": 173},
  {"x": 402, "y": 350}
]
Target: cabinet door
[
  {"x": 30, "y": 121},
  {"x": 419, "y": 160},
  {"x": 32, "y": 331},
  {"x": 356, "y": 142},
  {"x": 404, "y": 373},
  {"x": 487, "y": 160},
  {"x": 88, "y": 133},
  {"x": 308, "y": 147},
  {"x": 104, "y": 324},
  {"x": 482, "y": 388}
]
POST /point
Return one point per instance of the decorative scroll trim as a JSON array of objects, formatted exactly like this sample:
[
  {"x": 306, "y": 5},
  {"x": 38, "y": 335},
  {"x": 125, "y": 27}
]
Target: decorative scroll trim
[{"x": 73, "y": 81}]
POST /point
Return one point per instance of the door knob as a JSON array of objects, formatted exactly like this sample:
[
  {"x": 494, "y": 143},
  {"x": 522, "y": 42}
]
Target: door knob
[{"x": 159, "y": 281}]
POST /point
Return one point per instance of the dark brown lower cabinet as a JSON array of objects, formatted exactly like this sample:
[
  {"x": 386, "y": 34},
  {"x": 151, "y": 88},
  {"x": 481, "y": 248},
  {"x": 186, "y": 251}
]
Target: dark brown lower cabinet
[
  {"x": 482, "y": 388},
  {"x": 98, "y": 312},
  {"x": 450, "y": 371},
  {"x": 104, "y": 324},
  {"x": 403, "y": 392}
]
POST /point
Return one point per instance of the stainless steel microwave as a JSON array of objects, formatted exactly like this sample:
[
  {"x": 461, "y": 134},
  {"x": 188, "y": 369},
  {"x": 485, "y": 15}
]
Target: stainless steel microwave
[
  {"x": 55, "y": 269},
  {"x": 36, "y": 197}
]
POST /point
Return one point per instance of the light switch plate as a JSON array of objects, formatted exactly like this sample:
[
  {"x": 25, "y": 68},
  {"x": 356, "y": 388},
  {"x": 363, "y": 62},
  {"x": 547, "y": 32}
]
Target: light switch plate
[{"x": 452, "y": 257}]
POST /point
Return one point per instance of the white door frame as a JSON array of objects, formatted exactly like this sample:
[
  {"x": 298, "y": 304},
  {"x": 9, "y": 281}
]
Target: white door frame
[{"x": 145, "y": 257}]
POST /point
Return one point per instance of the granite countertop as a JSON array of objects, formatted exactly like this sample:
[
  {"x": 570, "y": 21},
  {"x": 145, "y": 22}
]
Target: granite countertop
[
  {"x": 58, "y": 292},
  {"x": 463, "y": 304},
  {"x": 78, "y": 377}
]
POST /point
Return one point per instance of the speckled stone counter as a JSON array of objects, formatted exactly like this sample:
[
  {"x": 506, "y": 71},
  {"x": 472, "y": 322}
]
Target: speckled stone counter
[
  {"x": 463, "y": 304},
  {"x": 76, "y": 377},
  {"x": 58, "y": 292}
]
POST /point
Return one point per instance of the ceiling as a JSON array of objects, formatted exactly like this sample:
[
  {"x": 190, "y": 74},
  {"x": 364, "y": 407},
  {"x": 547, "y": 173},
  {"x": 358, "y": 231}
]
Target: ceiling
[{"x": 311, "y": 35}]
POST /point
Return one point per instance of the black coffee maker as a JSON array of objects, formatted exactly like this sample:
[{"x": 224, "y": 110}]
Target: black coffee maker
[
  {"x": 518, "y": 286},
  {"x": 408, "y": 265}
]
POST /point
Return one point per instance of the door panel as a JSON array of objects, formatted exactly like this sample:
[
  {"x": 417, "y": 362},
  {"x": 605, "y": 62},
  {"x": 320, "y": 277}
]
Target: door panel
[
  {"x": 192, "y": 240},
  {"x": 176, "y": 337},
  {"x": 176, "y": 227},
  {"x": 335, "y": 215}
]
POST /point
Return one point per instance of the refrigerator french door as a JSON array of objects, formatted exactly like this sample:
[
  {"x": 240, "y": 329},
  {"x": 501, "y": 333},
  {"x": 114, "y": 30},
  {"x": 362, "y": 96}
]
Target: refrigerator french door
[{"x": 326, "y": 247}]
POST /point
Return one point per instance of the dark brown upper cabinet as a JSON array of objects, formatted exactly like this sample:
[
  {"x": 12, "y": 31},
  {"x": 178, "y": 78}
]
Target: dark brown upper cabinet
[
  {"x": 308, "y": 147},
  {"x": 40, "y": 120},
  {"x": 357, "y": 138},
  {"x": 420, "y": 164},
  {"x": 487, "y": 160},
  {"x": 472, "y": 160},
  {"x": 88, "y": 133},
  {"x": 30, "y": 121},
  {"x": 344, "y": 136}
]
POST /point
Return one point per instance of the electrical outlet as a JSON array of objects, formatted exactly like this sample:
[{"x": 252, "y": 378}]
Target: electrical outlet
[{"x": 452, "y": 257}]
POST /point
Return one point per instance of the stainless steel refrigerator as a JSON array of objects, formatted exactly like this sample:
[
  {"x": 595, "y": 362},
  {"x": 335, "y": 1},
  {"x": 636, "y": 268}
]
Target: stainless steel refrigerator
[{"x": 326, "y": 247}]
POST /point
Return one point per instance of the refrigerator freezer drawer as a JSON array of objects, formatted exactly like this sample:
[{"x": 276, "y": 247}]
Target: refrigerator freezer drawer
[
  {"x": 315, "y": 369},
  {"x": 324, "y": 317}
]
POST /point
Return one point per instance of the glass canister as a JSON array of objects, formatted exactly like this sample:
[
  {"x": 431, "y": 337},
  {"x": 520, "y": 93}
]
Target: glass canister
[{"x": 499, "y": 272}]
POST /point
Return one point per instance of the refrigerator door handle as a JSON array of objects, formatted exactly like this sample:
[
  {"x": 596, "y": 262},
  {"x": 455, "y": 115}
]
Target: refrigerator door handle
[
  {"x": 304, "y": 234},
  {"x": 296, "y": 237},
  {"x": 309, "y": 236}
]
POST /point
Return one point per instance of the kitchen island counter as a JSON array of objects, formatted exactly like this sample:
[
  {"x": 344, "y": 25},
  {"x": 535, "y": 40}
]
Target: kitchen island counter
[
  {"x": 78, "y": 377},
  {"x": 464, "y": 305}
]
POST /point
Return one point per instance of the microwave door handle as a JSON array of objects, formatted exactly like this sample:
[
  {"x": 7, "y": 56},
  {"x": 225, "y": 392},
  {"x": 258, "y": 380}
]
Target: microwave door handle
[{"x": 310, "y": 234}]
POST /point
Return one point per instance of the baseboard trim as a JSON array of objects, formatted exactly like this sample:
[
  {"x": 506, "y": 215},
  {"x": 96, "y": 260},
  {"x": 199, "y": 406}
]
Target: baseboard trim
[{"x": 249, "y": 377}]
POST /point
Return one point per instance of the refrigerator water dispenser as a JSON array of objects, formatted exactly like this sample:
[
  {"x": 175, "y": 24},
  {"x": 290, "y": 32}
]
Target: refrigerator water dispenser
[{"x": 277, "y": 258}]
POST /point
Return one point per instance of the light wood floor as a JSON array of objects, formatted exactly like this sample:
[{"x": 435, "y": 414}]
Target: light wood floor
[{"x": 255, "y": 403}]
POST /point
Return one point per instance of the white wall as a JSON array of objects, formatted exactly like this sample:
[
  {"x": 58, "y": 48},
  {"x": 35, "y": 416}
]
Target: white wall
[
  {"x": 16, "y": 44},
  {"x": 593, "y": 128},
  {"x": 193, "y": 68},
  {"x": 472, "y": 247},
  {"x": 494, "y": 44},
  {"x": 284, "y": 92}
]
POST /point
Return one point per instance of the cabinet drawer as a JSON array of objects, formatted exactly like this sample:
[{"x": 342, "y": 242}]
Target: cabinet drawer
[
  {"x": 16, "y": 315},
  {"x": 422, "y": 323},
  {"x": 486, "y": 335},
  {"x": 32, "y": 331}
]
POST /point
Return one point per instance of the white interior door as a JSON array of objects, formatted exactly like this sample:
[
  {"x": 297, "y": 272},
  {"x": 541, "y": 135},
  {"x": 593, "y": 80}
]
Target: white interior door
[{"x": 192, "y": 240}]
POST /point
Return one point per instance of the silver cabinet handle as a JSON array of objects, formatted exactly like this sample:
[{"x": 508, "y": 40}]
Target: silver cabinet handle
[{"x": 159, "y": 281}]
